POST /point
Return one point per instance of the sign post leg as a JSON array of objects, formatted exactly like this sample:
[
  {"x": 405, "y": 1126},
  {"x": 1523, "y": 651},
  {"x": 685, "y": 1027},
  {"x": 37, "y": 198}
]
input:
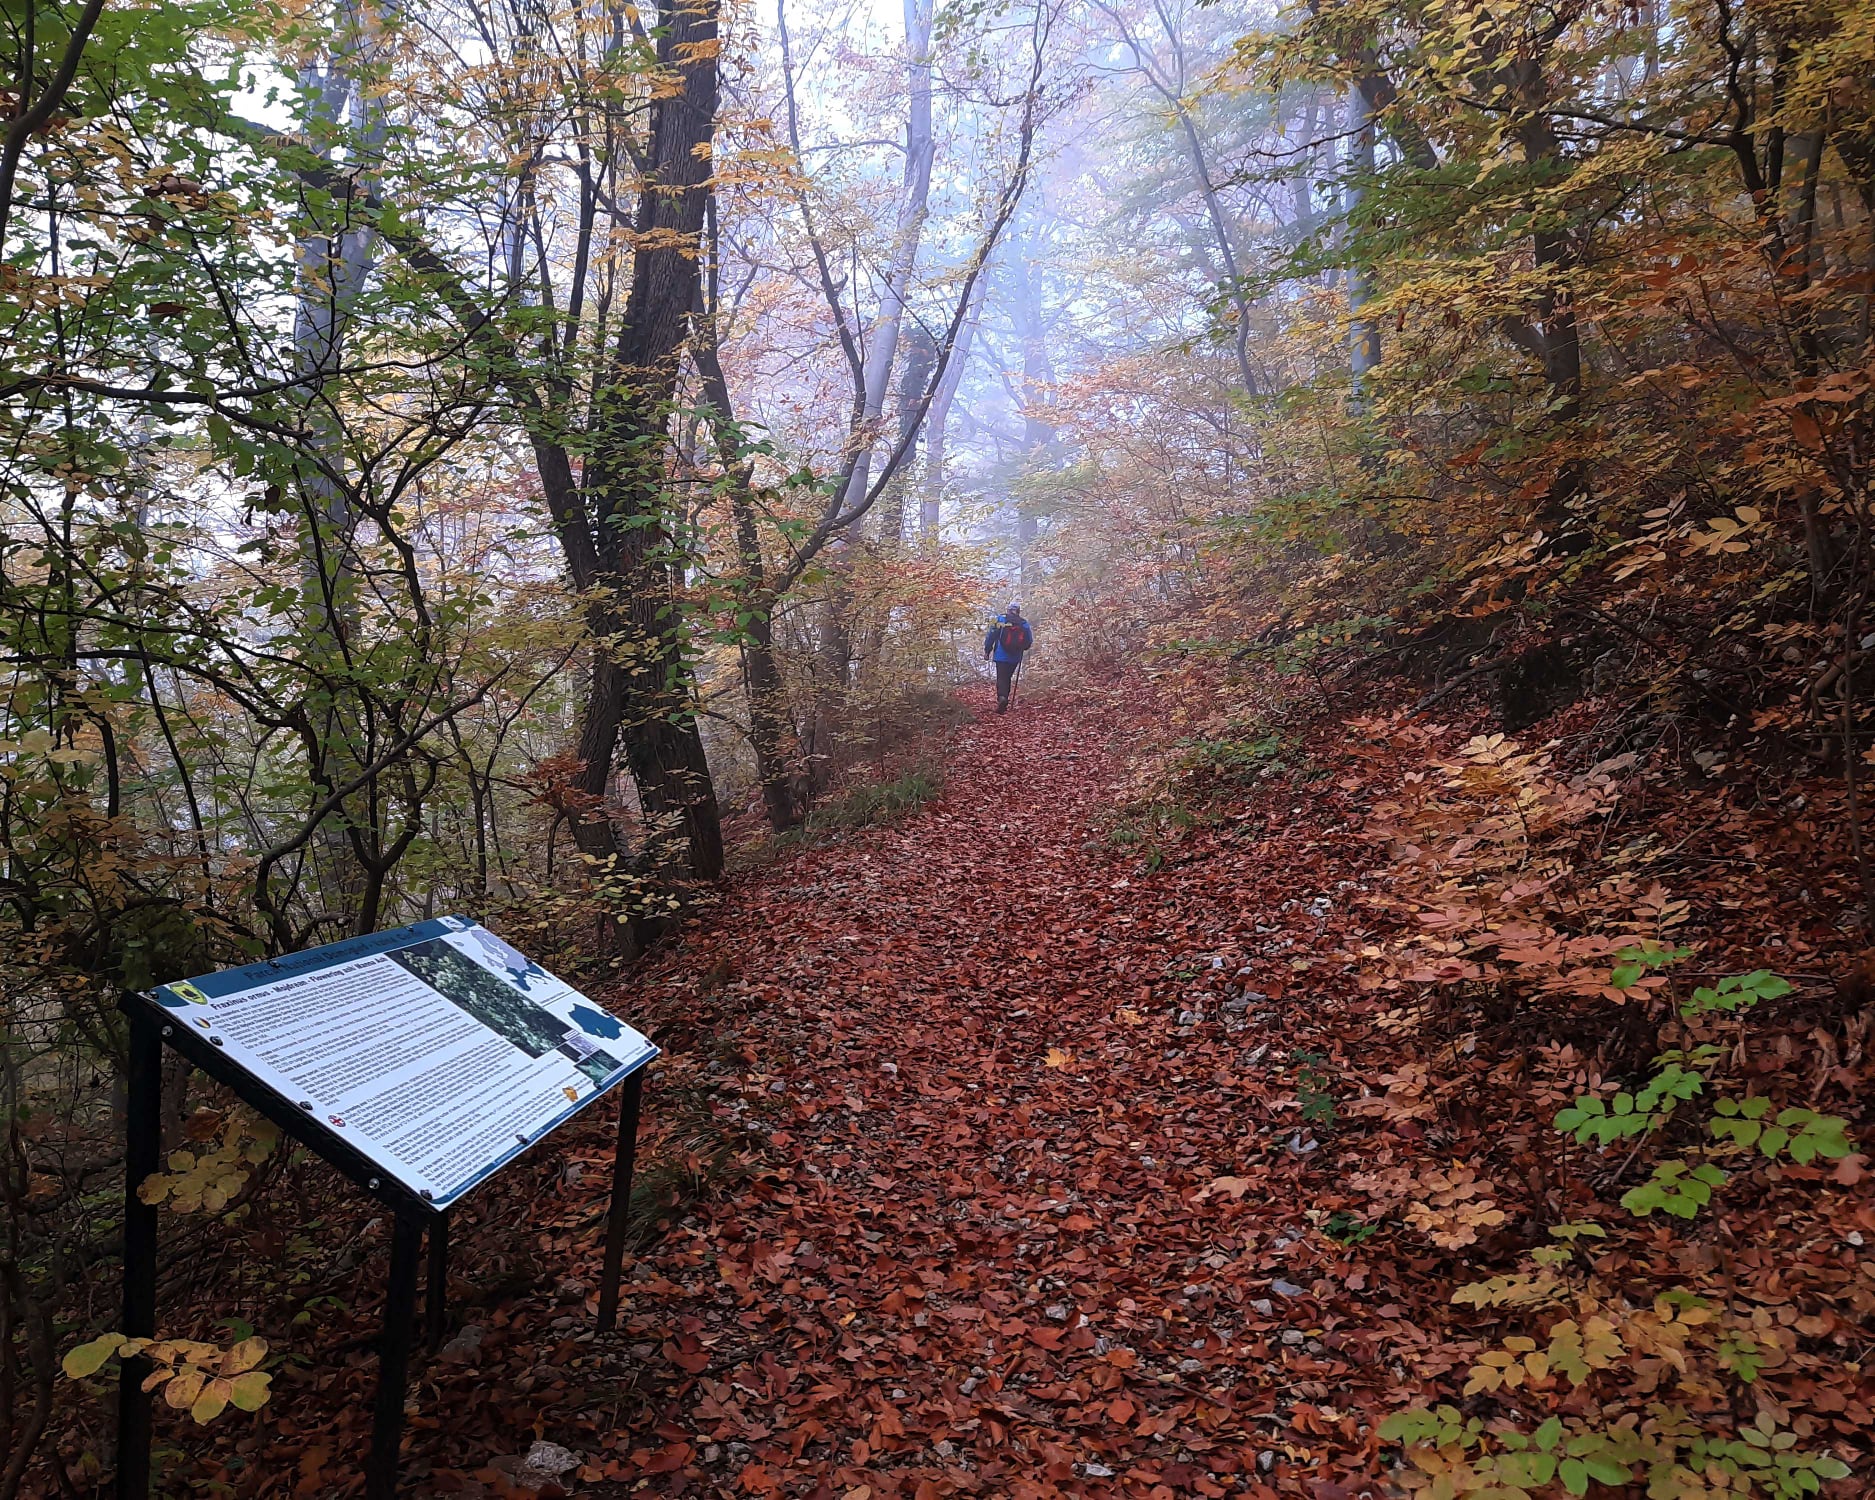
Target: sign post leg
[
  {"x": 143, "y": 1142},
  {"x": 436, "y": 1291},
  {"x": 400, "y": 1315},
  {"x": 631, "y": 1096}
]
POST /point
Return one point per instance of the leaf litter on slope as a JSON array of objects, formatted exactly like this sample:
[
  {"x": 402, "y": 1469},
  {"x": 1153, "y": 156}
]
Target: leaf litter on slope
[{"x": 1016, "y": 1171}]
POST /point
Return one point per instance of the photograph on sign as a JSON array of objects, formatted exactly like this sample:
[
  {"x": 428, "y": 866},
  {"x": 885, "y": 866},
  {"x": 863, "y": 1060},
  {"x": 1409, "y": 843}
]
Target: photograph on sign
[{"x": 438, "y": 1051}]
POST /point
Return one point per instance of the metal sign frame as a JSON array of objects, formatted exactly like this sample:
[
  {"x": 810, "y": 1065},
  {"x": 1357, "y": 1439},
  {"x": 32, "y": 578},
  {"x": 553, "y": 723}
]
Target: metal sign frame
[{"x": 154, "y": 1026}]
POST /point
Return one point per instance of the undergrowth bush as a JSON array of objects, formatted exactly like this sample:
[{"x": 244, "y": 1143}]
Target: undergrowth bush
[
  {"x": 1618, "y": 1350},
  {"x": 879, "y": 801},
  {"x": 1198, "y": 778},
  {"x": 862, "y": 805}
]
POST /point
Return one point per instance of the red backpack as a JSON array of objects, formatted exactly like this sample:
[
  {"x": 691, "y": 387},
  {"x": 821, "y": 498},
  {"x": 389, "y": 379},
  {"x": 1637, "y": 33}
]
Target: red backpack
[{"x": 1013, "y": 639}]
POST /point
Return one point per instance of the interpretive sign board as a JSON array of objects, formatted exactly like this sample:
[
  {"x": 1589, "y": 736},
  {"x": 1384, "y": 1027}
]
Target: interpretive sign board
[
  {"x": 438, "y": 1052},
  {"x": 418, "y": 1062}
]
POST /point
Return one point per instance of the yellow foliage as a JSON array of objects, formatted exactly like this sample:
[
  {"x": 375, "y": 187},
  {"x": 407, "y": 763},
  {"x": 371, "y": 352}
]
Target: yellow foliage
[
  {"x": 210, "y": 1179},
  {"x": 201, "y": 1379}
]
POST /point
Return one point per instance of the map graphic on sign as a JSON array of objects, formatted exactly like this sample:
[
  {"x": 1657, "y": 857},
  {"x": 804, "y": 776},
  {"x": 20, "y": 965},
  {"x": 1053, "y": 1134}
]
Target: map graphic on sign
[
  {"x": 439, "y": 1051},
  {"x": 512, "y": 961}
]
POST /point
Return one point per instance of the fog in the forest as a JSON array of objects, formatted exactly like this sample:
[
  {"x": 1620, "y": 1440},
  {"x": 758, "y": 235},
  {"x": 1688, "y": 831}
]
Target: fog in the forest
[{"x": 1151, "y": 240}]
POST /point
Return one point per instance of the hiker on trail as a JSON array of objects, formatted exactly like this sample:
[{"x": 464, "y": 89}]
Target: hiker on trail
[{"x": 1008, "y": 638}]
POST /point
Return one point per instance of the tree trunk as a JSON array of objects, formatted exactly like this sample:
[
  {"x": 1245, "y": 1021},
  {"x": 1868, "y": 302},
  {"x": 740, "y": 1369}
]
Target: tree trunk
[
  {"x": 1363, "y": 335},
  {"x": 332, "y": 259},
  {"x": 920, "y": 152},
  {"x": 1803, "y": 262},
  {"x": 920, "y": 358},
  {"x": 937, "y": 420},
  {"x": 1038, "y": 383},
  {"x": 914, "y": 378},
  {"x": 1552, "y": 333},
  {"x": 836, "y": 634},
  {"x": 1302, "y": 181},
  {"x": 642, "y": 690},
  {"x": 771, "y": 728}
]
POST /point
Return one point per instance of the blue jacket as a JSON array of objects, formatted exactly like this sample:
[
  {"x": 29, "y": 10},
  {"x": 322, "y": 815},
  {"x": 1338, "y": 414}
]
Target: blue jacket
[{"x": 993, "y": 642}]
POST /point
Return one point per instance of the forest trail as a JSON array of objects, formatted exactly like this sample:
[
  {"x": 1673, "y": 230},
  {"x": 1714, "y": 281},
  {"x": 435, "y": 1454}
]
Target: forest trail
[{"x": 1018, "y": 1221}]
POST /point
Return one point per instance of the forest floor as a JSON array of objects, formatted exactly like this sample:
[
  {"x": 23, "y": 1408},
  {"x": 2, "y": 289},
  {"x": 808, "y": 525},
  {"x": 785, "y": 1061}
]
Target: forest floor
[
  {"x": 995, "y": 1227},
  {"x": 1061, "y": 1138}
]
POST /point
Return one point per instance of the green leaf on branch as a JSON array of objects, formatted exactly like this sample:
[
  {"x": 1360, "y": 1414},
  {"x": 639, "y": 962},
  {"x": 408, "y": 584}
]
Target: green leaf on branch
[
  {"x": 1802, "y": 1133},
  {"x": 1677, "y": 1187},
  {"x": 1735, "y": 993},
  {"x": 88, "y": 1359}
]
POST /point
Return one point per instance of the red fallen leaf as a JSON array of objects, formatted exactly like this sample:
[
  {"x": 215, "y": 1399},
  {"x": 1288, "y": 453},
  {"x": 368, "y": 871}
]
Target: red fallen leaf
[
  {"x": 666, "y": 1460},
  {"x": 1045, "y": 1337},
  {"x": 314, "y": 1458},
  {"x": 691, "y": 1363},
  {"x": 1121, "y": 1410},
  {"x": 756, "y": 1480},
  {"x": 1850, "y": 1170}
]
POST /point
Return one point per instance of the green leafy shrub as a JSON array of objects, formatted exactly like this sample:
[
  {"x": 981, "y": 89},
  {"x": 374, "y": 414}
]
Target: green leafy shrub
[
  {"x": 1804, "y": 1133},
  {"x": 1231, "y": 759},
  {"x": 1592, "y": 1331},
  {"x": 1314, "y": 1089},
  {"x": 1735, "y": 993},
  {"x": 1629, "y": 1115},
  {"x": 1680, "y": 1188},
  {"x": 201, "y": 1379}
]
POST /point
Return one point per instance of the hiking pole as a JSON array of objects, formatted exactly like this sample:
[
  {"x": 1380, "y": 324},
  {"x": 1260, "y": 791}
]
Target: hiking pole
[{"x": 1015, "y": 677}]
